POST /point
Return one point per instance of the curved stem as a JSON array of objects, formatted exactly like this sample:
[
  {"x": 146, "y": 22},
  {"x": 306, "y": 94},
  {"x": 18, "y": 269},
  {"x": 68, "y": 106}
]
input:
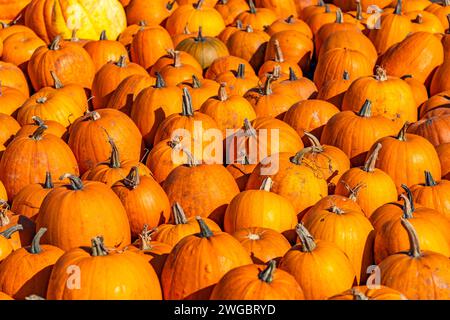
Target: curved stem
[
  {"x": 410, "y": 196},
  {"x": 292, "y": 76},
  {"x": 36, "y": 243},
  {"x": 398, "y": 7},
  {"x": 39, "y": 132},
  {"x": 268, "y": 86},
  {"x": 205, "y": 231},
  {"x": 414, "y": 247},
  {"x": 223, "y": 96},
  {"x": 401, "y": 136},
  {"x": 380, "y": 74},
  {"x": 122, "y": 62},
  {"x": 55, "y": 43},
  {"x": 407, "y": 210},
  {"x": 339, "y": 16},
  {"x": 298, "y": 158},
  {"x": 132, "y": 180},
  {"x": 160, "y": 83},
  {"x": 188, "y": 109},
  {"x": 369, "y": 166},
  {"x": 103, "y": 35},
  {"x": 75, "y": 182},
  {"x": 358, "y": 295},
  {"x": 346, "y": 75},
  {"x": 37, "y": 121},
  {"x": 266, "y": 184},
  {"x": 290, "y": 19},
  {"x": 200, "y": 37},
  {"x": 145, "y": 238},
  {"x": 306, "y": 239},
  {"x": 196, "y": 82},
  {"x": 267, "y": 274},
  {"x": 114, "y": 160},
  {"x": 98, "y": 247},
  {"x": 178, "y": 214},
  {"x": 48, "y": 184},
  {"x": 56, "y": 81},
  {"x": 429, "y": 181},
  {"x": 366, "y": 109},
  {"x": 199, "y": 4},
  {"x": 315, "y": 143},
  {"x": 9, "y": 232},
  {"x": 252, "y": 6},
  {"x": 240, "y": 71},
  {"x": 278, "y": 52}
]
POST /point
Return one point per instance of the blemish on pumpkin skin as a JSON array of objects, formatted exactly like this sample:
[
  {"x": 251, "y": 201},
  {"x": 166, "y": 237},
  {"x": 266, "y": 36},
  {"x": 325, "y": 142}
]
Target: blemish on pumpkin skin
[{"x": 208, "y": 268}]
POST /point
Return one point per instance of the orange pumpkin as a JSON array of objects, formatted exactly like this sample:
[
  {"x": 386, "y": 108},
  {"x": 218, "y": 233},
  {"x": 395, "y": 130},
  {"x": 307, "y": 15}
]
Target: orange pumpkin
[
  {"x": 333, "y": 91},
  {"x": 302, "y": 87},
  {"x": 284, "y": 66},
  {"x": 183, "y": 58},
  {"x": 289, "y": 23},
  {"x": 228, "y": 63},
  {"x": 434, "y": 128},
  {"x": 19, "y": 47},
  {"x": 425, "y": 21},
  {"x": 53, "y": 127},
  {"x": 438, "y": 82},
  {"x": 179, "y": 72},
  {"x": 366, "y": 293},
  {"x": 443, "y": 152},
  {"x": 11, "y": 99},
  {"x": 258, "y": 18},
  {"x": 418, "y": 89},
  {"x": 230, "y": 9},
  {"x": 5, "y": 245},
  {"x": 152, "y": 12},
  {"x": 200, "y": 90},
  {"x": 238, "y": 82},
  {"x": 13, "y": 77},
  {"x": 9, "y": 128}
]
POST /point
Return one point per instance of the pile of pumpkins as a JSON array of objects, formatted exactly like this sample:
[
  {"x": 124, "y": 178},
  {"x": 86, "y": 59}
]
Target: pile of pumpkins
[{"x": 94, "y": 204}]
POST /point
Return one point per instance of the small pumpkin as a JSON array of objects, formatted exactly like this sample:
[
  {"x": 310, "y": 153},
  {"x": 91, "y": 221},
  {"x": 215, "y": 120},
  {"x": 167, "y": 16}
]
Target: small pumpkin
[
  {"x": 289, "y": 23},
  {"x": 5, "y": 245},
  {"x": 333, "y": 91},
  {"x": 302, "y": 87},
  {"x": 179, "y": 72},
  {"x": 19, "y": 47},
  {"x": 228, "y": 63},
  {"x": 238, "y": 82},
  {"x": 183, "y": 58},
  {"x": 285, "y": 66},
  {"x": 152, "y": 12},
  {"x": 258, "y": 18},
  {"x": 200, "y": 90},
  {"x": 230, "y": 9},
  {"x": 13, "y": 77},
  {"x": 53, "y": 127}
]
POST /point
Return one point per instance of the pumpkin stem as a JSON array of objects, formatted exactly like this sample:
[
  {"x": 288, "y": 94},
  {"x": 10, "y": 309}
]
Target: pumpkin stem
[
  {"x": 36, "y": 243},
  {"x": 187, "y": 110},
  {"x": 160, "y": 83},
  {"x": 321, "y": 3},
  {"x": 142, "y": 23},
  {"x": 315, "y": 143},
  {"x": 176, "y": 59},
  {"x": 366, "y": 109},
  {"x": 429, "y": 181},
  {"x": 4, "y": 219},
  {"x": 73, "y": 36},
  {"x": 56, "y": 81},
  {"x": 240, "y": 71},
  {"x": 169, "y": 5},
  {"x": 103, "y": 35},
  {"x": 98, "y": 247},
  {"x": 91, "y": 115},
  {"x": 252, "y": 6},
  {"x": 267, "y": 274},
  {"x": 358, "y": 295},
  {"x": 327, "y": 8},
  {"x": 401, "y": 136},
  {"x": 132, "y": 180},
  {"x": 200, "y": 37},
  {"x": 178, "y": 214},
  {"x": 205, "y": 231},
  {"x": 9, "y": 232},
  {"x": 290, "y": 19},
  {"x": 278, "y": 52},
  {"x": 298, "y": 158},
  {"x": 114, "y": 160},
  {"x": 353, "y": 191},
  {"x": 369, "y": 166},
  {"x": 41, "y": 100},
  {"x": 339, "y": 16},
  {"x": 174, "y": 143},
  {"x": 306, "y": 239},
  {"x": 75, "y": 182},
  {"x": 223, "y": 96},
  {"x": 346, "y": 75},
  {"x": 266, "y": 184},
  {"x": 410, "y": 196},
  {"x": 249, "y": 131},
  {"x": 407, "y": 207},
  {"x": 146, "y": 238},
  {"x": 191, "y": 161},
  {"x": 55, "y": 43},
  {"x": 359, "y": 15},
  {"x": 268, "y": 86},
  {"x": 398, "y": 7},
  {"x": 37, "y": 121},
  {"x": 249, "y": 28},
  {"x": 48, "y": 184},
  {"x": 244, "y": 160},
  {"x": 39, "y": 132},
  {"x": 380, "y": 74},
  {"x": 199, "y": 4},
  {"x": 196, "y": 82},
  {"x": 122, "y": 62},
  {"x": 34, "y": 297},
  {"x": 336, "y": 209},
  {"x": 414, "y": 250},
  {"x": 418, "y": 19},
  {"x": 239, "y": 24}
]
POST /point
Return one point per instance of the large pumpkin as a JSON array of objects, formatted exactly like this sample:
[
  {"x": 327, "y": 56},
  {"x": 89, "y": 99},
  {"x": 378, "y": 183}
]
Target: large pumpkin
[{"x": 51, "y": 18}]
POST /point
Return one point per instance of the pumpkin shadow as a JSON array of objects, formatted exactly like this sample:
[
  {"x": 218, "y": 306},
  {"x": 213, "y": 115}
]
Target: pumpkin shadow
[
  {"x": 202, "y": 294},
  {"x": 35, "y": 285},
  {"x": 217, "y": 215}
]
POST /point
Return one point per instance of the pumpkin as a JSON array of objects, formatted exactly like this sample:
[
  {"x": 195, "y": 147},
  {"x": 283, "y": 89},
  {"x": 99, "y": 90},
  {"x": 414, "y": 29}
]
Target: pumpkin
[
  {"x": 262, "y": 244},
  {"x": 10, "y": 9},
  {"x": 148, "y": 112},
  {"x": 392, "y": 97},
  {"x": 75, "y": 91},
  {"x": 53, "y": 127},
  {"x": 238, "y": 82},
  {"x": 285, "y": 66},
  {"x": 149, "y": 44},
  {"x": 348, "y": 5},
  {"x": 292, "y": 179},
  {"x": 76, "y": 40},
  {"x": 289, "y": 23},
  {"x": 418, "y": 89},
  {"x": 229, "y": 112},
  {"x": 126, "y": 37},
  {"x": 200, "y": 90},
  {"x": 425, "y": 21},
  {"x": 29, "y": 199},
  {"x": 108, "y": 216},
  {"x": 438, "y": 82},
  {"x": 193, "y": 16},
  {"x": 360, "y": 130},
  {"x": 394, "y": 27},
  {"x": 435, "y": 128},
  {"x": 440, "y": 100},
  {"x": 109, "y": 77},
  {"x": 258, "y": 18},
  {"x": 313, "y": 8},
  {"x": 320, "y": 267},
  {"x": 180, "y": 227},
  {"x": 297, "y": 47},
  {"x": 345, "y": 203},
  {"x": 350, "y": 230},
  {"x": 229, "y": 31},
  {"x": 302, "y": 87},
  {"x": 417, "y": 274},
  {"x": 11, "y": 99},
  {"x": 441, "y": 11},
  {"x": 144, "y": 200},
  {"x": 123, "y": 97},
  {"x": 228, "y": 63},
  {"x": 49, "y": 19},
  {"x": 27, "y": 270},
  {"x": 412, "y": 152},
  {"x": 375, "y": 187},
  {"x": 320, "y": 18},
  {"x": 183, "y": 58},
  {"x": 178, "y": 72},
  {"x": 152, "y": 12},
  {"x": 8, "y": 29},
  {"x": 5, "y": 245},
  {"x": 97, "y": 262},
  {"x": 183, "y": 275},
  {"x": 280, "y": 7},
  {"x": 207, "y": 3},
  {"x": 19, "y": 47},
  {"x": 310, "y": 115},
  {"x": 255, "y": 45},
  {"x": 241, "y": 170},
  {"x": 52, "y": 152},
  {"x": 443, "y": 151},
  {"x": 418, "y": 55},
  {"x": 114, "y": 170},
  {"x": 9, "y": 128},
  {"x": 230, "y": 9},
  {"x": 257, "y": 282},
  {"x": 104, "y": 50},
  {"x": 260, "y": 208},
  {"x": 433, "y": 194},
  {"x": 181, "y": 185},
  {"x": 333, "y": 91},
  {"x": 88, "y": 137},
  {"x": 13, "y": 77},
  {"x": 9, "y": 219},
  {"x": 334, "y": 62},
  {"x": 373, "y": 293},
  {"x": 3, "y": 194}
]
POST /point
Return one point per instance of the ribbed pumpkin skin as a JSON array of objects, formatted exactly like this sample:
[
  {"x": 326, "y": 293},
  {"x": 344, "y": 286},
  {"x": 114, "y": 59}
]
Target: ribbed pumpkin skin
[
  {"x": 89, "y": 142},
  {"x": 24, "y": 273},
  {"x": 19, "y": 166},
  {"x": 140, "y": 283},
  {"x": 381, "y": 293},
  {"x": 184, "y": 275},
  {"x": 444, "y": 157},
  {"x": 103, "y": 214},
  {"x": 262, "y": 244},
  {"x": 249, "y": 45},
  {"x": 321, "y": 273},
  {"x": 13, "y": 77},
  {"x": 436, "y": 129},
  {"x": 11, "y": 99},
  {"x": 243, "y": 283},
  {"x": 228, "y": 63},
  {"x": 29, "y": 199},
  {"x": 435, "y": 197},
  {"x": 204, "y": 50}
]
